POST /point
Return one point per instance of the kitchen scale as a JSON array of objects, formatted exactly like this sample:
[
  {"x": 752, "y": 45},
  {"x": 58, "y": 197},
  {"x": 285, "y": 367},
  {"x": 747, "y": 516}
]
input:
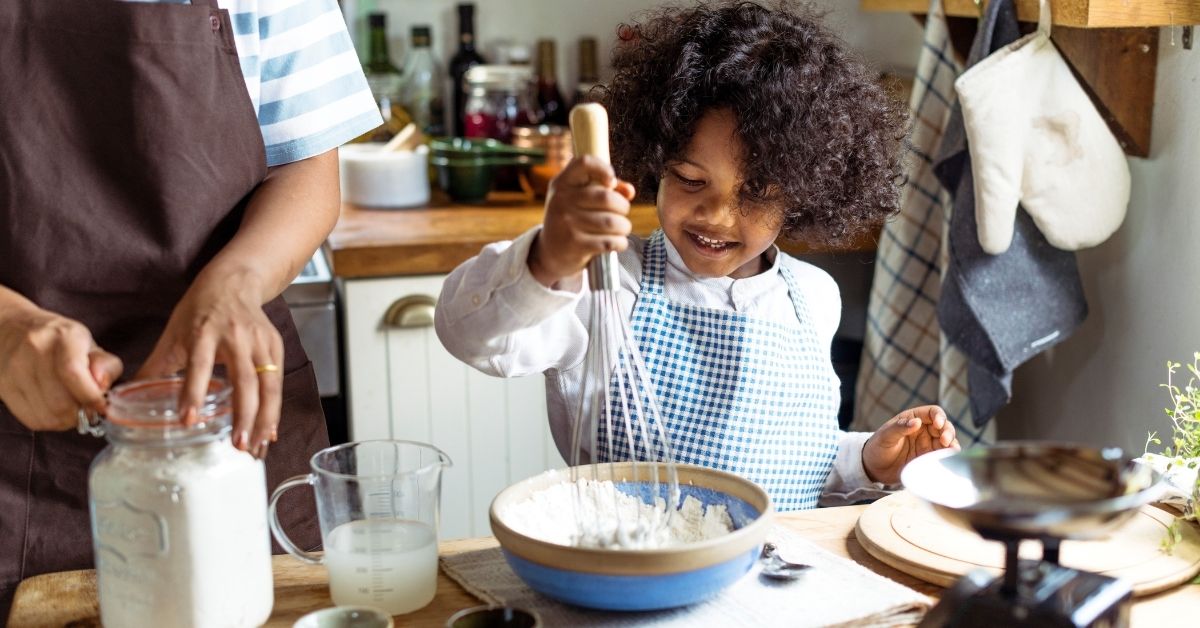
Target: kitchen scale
[{"x": 1044, "y": 492}]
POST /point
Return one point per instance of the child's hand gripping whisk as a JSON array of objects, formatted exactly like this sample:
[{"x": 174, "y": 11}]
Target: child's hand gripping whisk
[{"x": 618, "y": 400}]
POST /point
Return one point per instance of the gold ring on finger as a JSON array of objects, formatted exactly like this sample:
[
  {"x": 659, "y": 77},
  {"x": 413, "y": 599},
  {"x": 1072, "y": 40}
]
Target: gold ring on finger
[{"x": 266, "y": 368}]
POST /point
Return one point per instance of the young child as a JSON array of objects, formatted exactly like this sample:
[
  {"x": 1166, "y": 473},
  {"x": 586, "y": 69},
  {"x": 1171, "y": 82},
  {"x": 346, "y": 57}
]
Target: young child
[{"x": 742, "y": 123}]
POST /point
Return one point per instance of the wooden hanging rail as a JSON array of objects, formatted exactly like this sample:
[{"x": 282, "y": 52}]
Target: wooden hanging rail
[
  {"x": 1075, "y": 13},
  {"x": 1115, "y": 64}
]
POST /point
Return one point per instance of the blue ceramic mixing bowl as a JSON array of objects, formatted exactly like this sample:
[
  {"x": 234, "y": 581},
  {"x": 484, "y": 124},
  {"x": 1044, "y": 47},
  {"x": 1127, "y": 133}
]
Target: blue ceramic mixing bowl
[{"x": 640, "y": 580}]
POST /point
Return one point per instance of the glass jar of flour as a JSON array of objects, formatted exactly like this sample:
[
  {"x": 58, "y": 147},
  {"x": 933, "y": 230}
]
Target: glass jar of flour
[{"x": 179, "y": 517}]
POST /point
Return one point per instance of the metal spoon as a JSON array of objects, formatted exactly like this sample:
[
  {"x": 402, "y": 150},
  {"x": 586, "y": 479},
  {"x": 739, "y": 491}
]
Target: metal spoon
[{"x": 774, "y": 566}]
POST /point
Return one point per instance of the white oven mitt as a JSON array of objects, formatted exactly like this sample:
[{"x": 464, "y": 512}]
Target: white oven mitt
[{"x": 1036, "y": 139}]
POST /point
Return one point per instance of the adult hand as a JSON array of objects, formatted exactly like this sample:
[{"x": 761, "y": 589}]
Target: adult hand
[
  {"x": 587, "y": 210},
  {"x": 220, "y": 320},
  {"x": 50, "y": 367},
  {"x": 904, "y": 437}
]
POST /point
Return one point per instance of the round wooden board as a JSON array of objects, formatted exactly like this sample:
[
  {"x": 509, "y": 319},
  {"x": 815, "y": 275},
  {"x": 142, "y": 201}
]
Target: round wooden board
[{"x": 907, "y": 534}]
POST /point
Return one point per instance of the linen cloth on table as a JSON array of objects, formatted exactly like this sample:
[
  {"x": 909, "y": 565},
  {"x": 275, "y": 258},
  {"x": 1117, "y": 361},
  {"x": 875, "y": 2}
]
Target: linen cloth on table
[
  {"x": 835, "y": 592},
  {"x": 907, "y": 361},
  {"x": 999, "y": 310}
]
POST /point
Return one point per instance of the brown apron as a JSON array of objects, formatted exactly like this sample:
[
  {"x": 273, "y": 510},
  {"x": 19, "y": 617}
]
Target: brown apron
[{"x": 128, "y": 150}]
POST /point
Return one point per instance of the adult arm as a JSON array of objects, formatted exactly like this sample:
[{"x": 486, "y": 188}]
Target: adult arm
[{"x": 220, "y": 319}]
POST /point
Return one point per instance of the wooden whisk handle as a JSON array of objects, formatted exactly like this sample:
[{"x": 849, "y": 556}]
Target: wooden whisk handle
[{"x": 589, "y": 129}]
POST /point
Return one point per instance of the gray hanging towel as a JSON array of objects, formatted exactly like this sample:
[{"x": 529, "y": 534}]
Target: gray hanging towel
[{"x": 1000, "y": 310}]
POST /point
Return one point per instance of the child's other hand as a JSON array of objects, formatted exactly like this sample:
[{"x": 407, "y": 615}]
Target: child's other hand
[
  {"x": 587, "y": 210},
  {"x": 904, "y": 437}
]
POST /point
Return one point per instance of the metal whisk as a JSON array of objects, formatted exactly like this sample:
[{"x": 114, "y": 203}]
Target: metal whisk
[{"x": 617, "y": 393}]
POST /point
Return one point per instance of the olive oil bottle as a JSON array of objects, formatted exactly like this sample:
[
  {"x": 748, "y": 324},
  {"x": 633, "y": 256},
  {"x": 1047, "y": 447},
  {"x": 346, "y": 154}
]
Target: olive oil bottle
[{"x": 385, "y": 81}]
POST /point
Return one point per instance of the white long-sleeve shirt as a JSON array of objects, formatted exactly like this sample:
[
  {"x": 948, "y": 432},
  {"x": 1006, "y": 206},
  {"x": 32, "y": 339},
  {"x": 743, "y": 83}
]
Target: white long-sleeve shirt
[{"x": 494, "y": 315}]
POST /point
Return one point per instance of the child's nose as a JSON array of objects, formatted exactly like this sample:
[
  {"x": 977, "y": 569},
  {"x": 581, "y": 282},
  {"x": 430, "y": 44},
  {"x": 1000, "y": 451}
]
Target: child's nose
[{"x": 716, "y": 212}]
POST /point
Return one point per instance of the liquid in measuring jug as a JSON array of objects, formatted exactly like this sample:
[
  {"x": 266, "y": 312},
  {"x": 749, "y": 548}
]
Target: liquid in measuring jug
[{"x": 390, "y": 564}]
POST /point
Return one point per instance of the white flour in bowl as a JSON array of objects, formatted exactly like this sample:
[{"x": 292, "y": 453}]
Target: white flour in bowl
[{"x": 555, "y": 514}]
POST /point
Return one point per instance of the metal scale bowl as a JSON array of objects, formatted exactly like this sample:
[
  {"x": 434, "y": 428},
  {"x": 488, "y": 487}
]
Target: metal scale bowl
[{"x": 1039, "y": 491}]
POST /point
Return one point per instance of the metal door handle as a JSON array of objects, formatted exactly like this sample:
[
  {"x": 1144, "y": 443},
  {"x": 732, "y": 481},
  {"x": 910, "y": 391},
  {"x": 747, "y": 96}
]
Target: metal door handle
[{"x": 414, "y": 310}]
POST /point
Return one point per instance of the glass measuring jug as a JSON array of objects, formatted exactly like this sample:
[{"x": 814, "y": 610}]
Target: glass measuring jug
[{"x": 378, "y": 506}]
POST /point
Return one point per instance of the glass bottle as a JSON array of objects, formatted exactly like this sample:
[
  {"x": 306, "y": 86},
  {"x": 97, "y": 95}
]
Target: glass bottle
[
  {"x": 384, "y": 79},
  {"x": 589, "y": 76},
  {"x": 550, "y": 100},
  {"x": 421, "y": 91},
  {"x": 179, "y": 516},
  {"x": 464, "y": 59}
]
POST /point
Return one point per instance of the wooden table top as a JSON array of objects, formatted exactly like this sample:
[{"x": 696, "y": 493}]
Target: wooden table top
[
  {"x": 69, "y": 598},
  {"x": 434, "y": 240}
]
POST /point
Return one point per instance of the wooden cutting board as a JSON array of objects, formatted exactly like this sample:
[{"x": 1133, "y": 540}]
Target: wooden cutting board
[{"x": 908, "y": 535}]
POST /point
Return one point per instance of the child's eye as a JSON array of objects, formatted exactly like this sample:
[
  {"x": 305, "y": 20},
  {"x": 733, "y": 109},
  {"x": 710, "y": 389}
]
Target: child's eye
[{"x": 691, "y": 183}]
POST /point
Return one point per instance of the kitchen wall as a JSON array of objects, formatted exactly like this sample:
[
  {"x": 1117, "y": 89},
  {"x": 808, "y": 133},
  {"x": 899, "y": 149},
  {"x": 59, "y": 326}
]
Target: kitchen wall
[
  {"x": 1143, "y": 287},
  {"x": 889, "y": 39}
]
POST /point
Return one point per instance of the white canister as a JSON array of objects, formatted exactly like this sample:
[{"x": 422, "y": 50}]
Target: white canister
[
  {"x": 373, "y": 177},
  {"x": 179, "y": 516}
]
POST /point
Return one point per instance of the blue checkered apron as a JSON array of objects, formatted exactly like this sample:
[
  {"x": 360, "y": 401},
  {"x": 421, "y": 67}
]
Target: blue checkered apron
[{"x": 736, "y": 393}]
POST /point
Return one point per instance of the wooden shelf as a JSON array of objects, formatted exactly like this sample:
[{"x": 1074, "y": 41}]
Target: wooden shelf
[{"x": 1075, "y": 13}]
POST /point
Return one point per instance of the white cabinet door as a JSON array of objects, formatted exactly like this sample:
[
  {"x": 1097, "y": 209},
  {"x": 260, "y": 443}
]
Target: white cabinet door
[{"x": 404, "y": 385}]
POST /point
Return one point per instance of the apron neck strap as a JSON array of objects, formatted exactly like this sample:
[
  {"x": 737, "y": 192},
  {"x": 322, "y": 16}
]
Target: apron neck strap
[
  {"x": 799, "y": 304},
  {"x": 654, "y": 263}
]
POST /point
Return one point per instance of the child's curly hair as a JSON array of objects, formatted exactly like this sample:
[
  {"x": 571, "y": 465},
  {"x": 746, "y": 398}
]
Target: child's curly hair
[{"x": 822, "y": 135}]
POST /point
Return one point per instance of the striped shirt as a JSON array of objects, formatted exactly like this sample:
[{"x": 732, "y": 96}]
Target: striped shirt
[{"x": 302, "y": 74}]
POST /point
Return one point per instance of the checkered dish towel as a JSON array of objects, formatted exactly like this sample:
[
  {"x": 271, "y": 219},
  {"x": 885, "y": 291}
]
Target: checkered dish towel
[{"x": 906, "y": 360}]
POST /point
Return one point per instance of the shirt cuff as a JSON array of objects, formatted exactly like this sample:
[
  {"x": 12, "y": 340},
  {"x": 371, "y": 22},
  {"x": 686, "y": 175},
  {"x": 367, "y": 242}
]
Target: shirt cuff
[
  {"x": 525, "y": 296},
  {"x": 848, "y": 483},
  {"x": 849, "y": 461}
]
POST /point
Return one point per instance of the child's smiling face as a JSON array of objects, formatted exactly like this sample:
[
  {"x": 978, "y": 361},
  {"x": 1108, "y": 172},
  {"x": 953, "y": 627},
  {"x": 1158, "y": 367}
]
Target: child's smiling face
[{"x": 700, "y": 210}]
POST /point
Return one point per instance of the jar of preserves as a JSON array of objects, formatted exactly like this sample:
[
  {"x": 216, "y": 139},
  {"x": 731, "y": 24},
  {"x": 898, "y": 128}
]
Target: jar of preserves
[
  {"x": 498, "y": 99},
  {"x": 179, "y": 516}
]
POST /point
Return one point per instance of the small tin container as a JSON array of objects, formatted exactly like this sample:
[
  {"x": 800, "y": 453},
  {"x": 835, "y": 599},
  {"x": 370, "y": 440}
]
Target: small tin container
[{"x": 494, "y": 617}]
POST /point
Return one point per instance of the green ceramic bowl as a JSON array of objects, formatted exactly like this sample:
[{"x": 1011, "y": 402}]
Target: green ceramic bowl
[
  {"x": 466, "y": 167},
  {"x": 472, "y": 147}
]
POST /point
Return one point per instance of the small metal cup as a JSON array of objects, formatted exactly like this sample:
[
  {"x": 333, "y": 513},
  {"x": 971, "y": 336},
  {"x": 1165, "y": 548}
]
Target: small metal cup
[
  {"x": 494, "y": 617},
  {"x": 345, "y": 617},
  {"x": 555, "y": 140}
]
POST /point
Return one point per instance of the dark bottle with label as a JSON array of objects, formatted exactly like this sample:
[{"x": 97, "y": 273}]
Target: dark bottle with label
[
  {"x": 463, "y": 60},
  {"x": 589, "y": 76},
  {"x": 384, "y": 79},
  {"x": 550, "y": 100}
]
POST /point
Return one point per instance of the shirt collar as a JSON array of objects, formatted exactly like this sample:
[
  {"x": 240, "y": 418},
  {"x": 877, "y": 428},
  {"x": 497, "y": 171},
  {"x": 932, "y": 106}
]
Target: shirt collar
[{"x": 763, "y": 280}]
